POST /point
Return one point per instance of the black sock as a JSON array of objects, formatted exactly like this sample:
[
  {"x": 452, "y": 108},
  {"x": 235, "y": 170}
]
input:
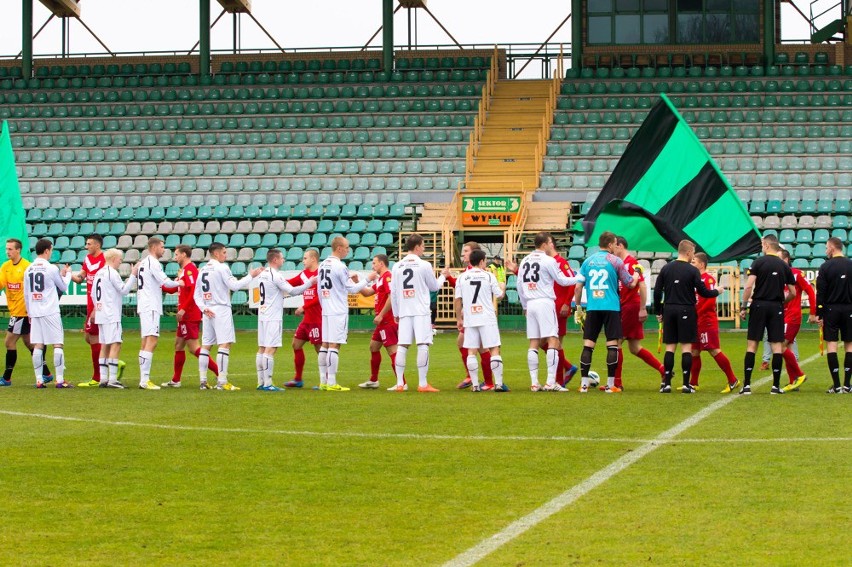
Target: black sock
[
  {"x": 611, "y": 361},
  {"x": 834, "y": 368},
  {"x": 686, "y": 365},
  {"x": 668, "y": 365},
  {"x": 748, "y": 367},
  {"x": 586, "y": 361},
  {"x": 777, "y": 365},
  {"x": 11, "y": 359},
  {"x": 847, "y": 370}
]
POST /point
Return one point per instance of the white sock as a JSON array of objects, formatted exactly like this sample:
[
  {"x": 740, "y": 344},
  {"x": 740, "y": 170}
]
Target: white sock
[
  {"x": 399, "y": 364},
  {"x": 261, "y": 369},
  {"x": 497, "y": 369},
  {"x": 268, "y": 363},
  {"x": 112, "y": 364},
  {"x": 59, "y": 364},
  {"x": 532, "y": 363},
  {"x": 222, "y": 357},
  {"x": 38, "y": 362},
  {"x": 333, "y": 358},
  {"x": 203, "y": 363},
  {"x": 423, "y": 364},
  {"x": 473, "y": 369},
  {"x": 103, "y": 369},
  {"x": 322, "y": 362},
  {"x": 145, "y": 360},
  {"x": 610, "y": 381},
  {"x": 551, "y": 355},
  {"x": 584, "y": 381}
]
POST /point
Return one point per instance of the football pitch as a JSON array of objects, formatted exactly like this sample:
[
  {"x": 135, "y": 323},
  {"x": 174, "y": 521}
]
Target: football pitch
[{"x": 189, "y": 477}]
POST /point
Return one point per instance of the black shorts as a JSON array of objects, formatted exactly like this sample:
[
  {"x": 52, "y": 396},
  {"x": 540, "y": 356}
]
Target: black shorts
[
  {"x": 837, "y": 323},
  {"x": 768, "y": 316},
  {"x": 19, "y": 325},
  {"x": 609, "y": 321},
  {"x": 680, "y": 324}
]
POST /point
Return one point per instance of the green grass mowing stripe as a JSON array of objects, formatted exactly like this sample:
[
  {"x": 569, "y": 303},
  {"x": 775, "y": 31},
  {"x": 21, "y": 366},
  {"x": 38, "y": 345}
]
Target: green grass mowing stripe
[{"x": 487, "y": 546}]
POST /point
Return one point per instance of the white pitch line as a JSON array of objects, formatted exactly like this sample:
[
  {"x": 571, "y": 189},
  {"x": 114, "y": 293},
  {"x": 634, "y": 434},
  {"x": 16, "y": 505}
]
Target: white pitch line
[
  {"x": 420, "y": 436},
  {"x": 487, "y": 546}
]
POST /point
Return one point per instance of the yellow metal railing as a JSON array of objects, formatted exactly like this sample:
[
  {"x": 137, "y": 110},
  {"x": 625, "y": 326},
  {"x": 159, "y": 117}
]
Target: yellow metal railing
[
  {"x": 449, "y": 227},
  {"x": 512, "y": 236},
  {"x": 479, "y": 122}
]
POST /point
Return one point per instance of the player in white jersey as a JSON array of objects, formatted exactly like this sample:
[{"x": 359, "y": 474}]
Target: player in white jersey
[
  {"x": 334, "y": 287},
  {"x": 108, "y": 290},
  {"x": 476, "y": 293},
  {"x": 43, "y": 285},
  {"x": 271, "y": 287},
  {"x": 150, "y": 281},
  {"x": 213, "y": 297},
  {"x": 412, "y": 280},
  {"x": 536, "y": 275}
]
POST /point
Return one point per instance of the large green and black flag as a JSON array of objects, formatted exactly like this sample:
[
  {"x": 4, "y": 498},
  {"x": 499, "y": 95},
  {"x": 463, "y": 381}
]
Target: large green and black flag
[
  {"x": 12, "y": 215},
  {"x": 666, "y": 188}
]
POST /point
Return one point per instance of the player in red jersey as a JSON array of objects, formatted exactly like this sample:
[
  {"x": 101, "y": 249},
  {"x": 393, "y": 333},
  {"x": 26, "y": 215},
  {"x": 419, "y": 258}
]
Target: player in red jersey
[
  {"x": 188, "y": 316},
  {"x": 633, "y": 314},
  {"x": 387, "y": 328},
  {"x": 793, "y": 322},
  {"x": 310, "y": 329},
  {"x": 91, "y": 265},
  {"x": 564, "y": 295},
  {"x": 708, "y": 330},
  {"x": 484, "y": 354}
]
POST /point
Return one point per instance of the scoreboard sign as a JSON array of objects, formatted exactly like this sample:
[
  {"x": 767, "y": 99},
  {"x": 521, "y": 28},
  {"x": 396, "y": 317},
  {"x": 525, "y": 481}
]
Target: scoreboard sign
[{"x": 495, "y": 210}]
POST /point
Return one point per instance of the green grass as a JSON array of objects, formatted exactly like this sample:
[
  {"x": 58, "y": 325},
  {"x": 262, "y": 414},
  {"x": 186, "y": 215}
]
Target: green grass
[{"x": 114, "y": 491}]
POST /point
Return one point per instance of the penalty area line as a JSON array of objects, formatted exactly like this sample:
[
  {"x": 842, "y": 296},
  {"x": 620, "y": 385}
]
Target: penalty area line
[{"x": 520, "y": 526}]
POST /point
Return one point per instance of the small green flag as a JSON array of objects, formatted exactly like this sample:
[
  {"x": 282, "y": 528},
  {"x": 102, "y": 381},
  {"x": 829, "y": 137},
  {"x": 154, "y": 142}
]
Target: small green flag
[
  {"x": 12, "y": 214},
  {"x": 666, "y": 188}
]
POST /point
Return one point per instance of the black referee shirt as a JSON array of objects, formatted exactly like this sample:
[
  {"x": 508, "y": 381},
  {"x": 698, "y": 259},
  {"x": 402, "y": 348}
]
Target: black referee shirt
[
  {"x": 679, "y": 281},
  {"x": 773, "y": 275},
  {"x": 834, "y": 283}
]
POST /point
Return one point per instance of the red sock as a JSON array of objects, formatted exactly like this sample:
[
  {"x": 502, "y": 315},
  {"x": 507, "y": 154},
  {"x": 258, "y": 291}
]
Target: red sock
[
  {"x": 696, "y": 369},
  {"x": 565, "y": 362},
  {"x": 180, "y": 359},
  {"x": 96, "y": 354},
  {"x": 393, "y": 365},
  {"x": 651, "y": 360},
  {"x": 793, "y": 370},
  {"x": 375, "y": 364},
  {"x": 463, "y": 352},
  {"x": 211, "y": 364},
  {"x": 299, "y": 362},
  {"x": 487, "y": 374},
  {"x": 560, "y": 371},
  {"x": 618, "y": 382},
  {"x": 725, "y": 365}
]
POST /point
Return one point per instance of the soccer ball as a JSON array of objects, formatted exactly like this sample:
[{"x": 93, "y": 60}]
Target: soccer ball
[{"x": 594, "y": 378}]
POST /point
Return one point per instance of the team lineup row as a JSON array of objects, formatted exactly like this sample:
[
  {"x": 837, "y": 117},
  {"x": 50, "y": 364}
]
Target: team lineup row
[{"x": 612, "y": 279}]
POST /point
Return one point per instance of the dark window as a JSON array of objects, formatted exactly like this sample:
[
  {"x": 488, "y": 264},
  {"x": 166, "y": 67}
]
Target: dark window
[
  {"x": 655, "y": 28},
  {"x": 600, "y": 29},
  {"x": 627, "y": 29}
]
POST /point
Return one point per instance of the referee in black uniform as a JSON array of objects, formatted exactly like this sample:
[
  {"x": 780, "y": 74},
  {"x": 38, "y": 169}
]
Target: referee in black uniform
[
  {"x": 770, "y": 284},
  {"x": 834, "y": 311},
  {"x": 675, "y": 289}
]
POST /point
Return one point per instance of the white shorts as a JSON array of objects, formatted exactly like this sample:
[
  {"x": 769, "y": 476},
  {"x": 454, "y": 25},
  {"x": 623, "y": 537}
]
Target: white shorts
[
  {"x": 416, "y": 329},
  {"x": 541, "y": 319},
  {"x": 47, "y": 330},
  {"x": 109, "y": 333},
  {"x": 269, "y": 334},
  {"x": 486, "y": 336},
  {"x": 219, "y": 329},
  {"x": 149, "y": 324},
  {"x": 335, "y": 329}
]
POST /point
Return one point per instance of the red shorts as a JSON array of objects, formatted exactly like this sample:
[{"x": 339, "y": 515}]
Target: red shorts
[
  {"x": 791, "y": 330},
  {"x": 188, "y": 330},
  {"x": 708, "y": 339},
  {"x": 562, "y": 323},
  {"x": 90, "y": 327},
  {"x": 386, "y": 333},
  {"x": 311, "y": 332},
  {"x": 631, "y": 327}
]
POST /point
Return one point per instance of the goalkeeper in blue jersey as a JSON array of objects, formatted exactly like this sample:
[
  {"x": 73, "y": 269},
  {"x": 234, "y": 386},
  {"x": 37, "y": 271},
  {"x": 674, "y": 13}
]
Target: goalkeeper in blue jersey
[{"x": 599, "y": 275}]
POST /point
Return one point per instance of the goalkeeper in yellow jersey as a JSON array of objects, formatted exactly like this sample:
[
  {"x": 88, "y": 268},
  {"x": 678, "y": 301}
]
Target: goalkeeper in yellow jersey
[{"x": 12, "y": 280}]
